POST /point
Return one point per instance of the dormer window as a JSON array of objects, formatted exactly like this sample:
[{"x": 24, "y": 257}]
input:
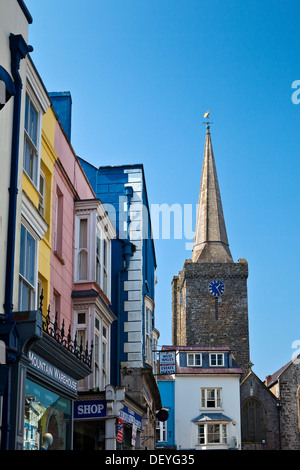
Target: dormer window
[
  {"x": 194, "y": 359},
  {"x": 216, "y": 359}
]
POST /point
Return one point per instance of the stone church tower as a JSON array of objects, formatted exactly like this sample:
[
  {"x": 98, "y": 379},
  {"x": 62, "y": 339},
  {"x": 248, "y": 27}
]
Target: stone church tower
[{"x": 209, "y": 295}]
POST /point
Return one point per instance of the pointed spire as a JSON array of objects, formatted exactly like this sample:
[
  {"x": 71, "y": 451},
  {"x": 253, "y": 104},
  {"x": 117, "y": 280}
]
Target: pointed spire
[{"x": 210, "y": 241}]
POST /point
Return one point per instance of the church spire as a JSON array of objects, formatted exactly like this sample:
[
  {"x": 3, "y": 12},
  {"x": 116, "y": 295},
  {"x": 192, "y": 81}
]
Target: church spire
[{"x": 210, "y": 241}]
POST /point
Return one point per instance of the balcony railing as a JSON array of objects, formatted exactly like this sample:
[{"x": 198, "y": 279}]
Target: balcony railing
[{"x": 64, "y": 338}]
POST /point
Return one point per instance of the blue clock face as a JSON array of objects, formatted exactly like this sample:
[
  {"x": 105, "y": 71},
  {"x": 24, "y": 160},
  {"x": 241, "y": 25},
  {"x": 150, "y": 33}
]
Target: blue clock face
[{"x": 216, "y": 288}]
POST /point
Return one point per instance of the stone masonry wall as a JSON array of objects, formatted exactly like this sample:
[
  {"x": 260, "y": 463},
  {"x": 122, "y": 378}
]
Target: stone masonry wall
[
  {"x": 198, "y": 309},
  {"x": 289, "y": 384}
]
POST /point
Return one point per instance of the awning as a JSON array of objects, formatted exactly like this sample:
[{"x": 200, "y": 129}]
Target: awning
[{"x": 205, "y": 417}]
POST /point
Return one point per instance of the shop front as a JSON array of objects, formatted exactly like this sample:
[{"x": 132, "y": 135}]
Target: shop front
[
  {"x": 44, "y": 370},
  {"x": 129, "y": 429},
  {"x": 107, "y": 421},
  {"x": 48, "y": 406}
]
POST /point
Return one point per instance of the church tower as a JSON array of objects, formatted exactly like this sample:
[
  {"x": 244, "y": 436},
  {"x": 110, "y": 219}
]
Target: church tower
[{"x": 209, "y": 295}]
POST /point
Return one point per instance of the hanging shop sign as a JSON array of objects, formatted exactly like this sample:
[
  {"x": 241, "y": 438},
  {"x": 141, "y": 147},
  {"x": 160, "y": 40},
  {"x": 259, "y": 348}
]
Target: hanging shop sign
[
  {"x": 48, "y": 370},
  {"x": 130, "y": 417},
  {"x": 89, "y": 409},
  {"x": 167, "y": 362}
]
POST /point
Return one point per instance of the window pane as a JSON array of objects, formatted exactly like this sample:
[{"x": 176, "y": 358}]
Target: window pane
[
  {"x": 31, "y": 120},
  {"x": 27, "y": 256},
  {"x": 22, "y": 251},
  {"x": 197, "y": 359},
  {"x": 83, "y": 233},
  {"x": 213, "y": 433},
  {"x": 82, "y": 265},
  {"x": 201, "y": 434},
  {"x": 24, "y": 296},
  {"x": 30, "y": 258}
]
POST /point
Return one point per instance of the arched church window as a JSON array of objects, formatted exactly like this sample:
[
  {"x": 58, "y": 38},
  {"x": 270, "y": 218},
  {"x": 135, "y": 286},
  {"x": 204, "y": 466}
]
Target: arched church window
[{"x": 253, "y": 421}]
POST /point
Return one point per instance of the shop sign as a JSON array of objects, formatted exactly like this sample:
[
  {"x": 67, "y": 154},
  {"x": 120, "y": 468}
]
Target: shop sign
[
  {"x": 167, "y": 363},
  {"x": 49, "y": 370},
  {"x": 89, "y": 409},
  {"x": 130, "y": 417}
]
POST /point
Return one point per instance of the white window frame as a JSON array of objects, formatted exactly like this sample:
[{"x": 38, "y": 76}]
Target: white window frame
[
  {"x": 161, "y": 431},
  {"x": 32, "y": 286},
  {"x": 211, "y": 398},
  {"x": 216, "y": 359},
  {"x": 191, "y": 359},
  {"x": 99, "y": 234},
  {"x": 34, "y": 147},
  {"x": 101, "y": 353}
]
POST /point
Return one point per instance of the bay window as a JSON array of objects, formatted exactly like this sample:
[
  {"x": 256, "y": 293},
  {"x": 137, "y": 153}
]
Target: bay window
[
  {"x": 92, "y": 245},
  {"x": 101, "y": 371},
  {"x": 212, "y": 433}
]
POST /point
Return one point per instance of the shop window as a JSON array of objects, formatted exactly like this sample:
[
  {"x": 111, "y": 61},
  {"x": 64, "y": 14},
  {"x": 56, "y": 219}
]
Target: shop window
[
  {"x": 48, "y": 419},
  {"x": 27, "y": 270},
  {"x": 31, "y": 141}
]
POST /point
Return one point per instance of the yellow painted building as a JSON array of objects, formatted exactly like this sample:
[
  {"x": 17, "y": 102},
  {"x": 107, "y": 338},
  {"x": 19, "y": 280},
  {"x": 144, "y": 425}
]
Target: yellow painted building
[
  {"x": 48, "y": 158},
  {"x": 40, "y": 196}
]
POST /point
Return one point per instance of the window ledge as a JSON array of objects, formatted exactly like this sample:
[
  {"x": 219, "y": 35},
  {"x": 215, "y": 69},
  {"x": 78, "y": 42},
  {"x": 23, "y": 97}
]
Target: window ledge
[{"x": 59, "y": 257}]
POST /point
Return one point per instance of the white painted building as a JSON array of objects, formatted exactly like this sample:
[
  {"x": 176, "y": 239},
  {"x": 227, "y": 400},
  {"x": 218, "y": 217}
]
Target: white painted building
[{"x": 206, "y": 399}]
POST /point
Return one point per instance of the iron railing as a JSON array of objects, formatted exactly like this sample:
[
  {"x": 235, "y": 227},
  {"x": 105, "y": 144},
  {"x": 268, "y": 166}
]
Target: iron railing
[{"x": 64, "y": 338}]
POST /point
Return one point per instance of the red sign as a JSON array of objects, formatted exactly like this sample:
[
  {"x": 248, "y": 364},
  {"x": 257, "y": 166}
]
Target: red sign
[{"x": 120, "y": 430}]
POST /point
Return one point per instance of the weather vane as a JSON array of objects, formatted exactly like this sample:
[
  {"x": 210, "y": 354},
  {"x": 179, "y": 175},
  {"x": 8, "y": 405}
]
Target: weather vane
[{"x": 206, "y": 115}]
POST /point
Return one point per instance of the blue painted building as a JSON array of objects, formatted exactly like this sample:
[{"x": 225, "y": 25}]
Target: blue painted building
[
  {"x": 165, "y": 430},
  {"x": 122, "y": 190}
]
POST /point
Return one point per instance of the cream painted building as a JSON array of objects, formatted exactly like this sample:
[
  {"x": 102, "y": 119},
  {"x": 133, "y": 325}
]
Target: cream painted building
[{"x": 14, "y": 19}]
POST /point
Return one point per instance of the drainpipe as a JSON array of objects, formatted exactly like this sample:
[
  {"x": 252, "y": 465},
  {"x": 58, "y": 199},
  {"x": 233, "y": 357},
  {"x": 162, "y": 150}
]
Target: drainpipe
[
  {"x": 127, "y": 253},
  {"x": 19, "y": 49}
]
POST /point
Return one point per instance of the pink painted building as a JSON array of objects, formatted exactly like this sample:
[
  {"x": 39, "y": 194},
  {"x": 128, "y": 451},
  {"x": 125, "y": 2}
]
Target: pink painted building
[{"x": 80, "y": 264}]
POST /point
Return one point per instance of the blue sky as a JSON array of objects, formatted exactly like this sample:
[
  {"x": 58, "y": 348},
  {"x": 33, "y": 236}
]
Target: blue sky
[{"x": 141, "y": 74}]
